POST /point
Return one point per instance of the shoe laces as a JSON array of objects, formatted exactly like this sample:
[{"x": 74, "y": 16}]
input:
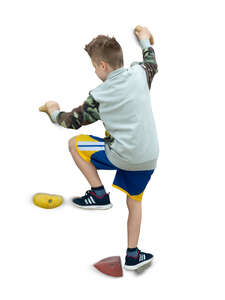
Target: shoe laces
[{"x": 86, "y": 194}]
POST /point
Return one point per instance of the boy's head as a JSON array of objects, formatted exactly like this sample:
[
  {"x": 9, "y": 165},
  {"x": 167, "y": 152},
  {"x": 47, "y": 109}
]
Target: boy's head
[{"x": 106, "y": 55}]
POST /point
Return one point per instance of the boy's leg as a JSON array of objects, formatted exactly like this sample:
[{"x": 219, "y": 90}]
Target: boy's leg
[
  {"x": 133, "y": 222},
  {"x": 135, "y": 259},
  {"x": 96, "y": 198},
  {"x": 88, "y": 169}
]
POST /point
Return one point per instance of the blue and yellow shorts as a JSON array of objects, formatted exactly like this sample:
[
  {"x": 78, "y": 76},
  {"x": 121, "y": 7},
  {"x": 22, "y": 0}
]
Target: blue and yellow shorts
[{"x": 92, "y": 149}]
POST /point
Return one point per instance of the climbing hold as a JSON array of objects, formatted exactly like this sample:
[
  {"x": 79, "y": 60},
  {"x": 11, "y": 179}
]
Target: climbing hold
[{"x": 47, "y": 200}]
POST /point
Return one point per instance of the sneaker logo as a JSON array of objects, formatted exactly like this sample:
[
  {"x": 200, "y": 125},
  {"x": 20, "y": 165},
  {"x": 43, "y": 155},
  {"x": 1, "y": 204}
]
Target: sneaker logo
[
  {"x": 141, "y": 257},
  {"x": 89, "y": 200},
  {"x": 93, "y": 201}
]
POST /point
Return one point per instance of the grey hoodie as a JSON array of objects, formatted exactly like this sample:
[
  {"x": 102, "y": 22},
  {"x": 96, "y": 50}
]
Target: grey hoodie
[{"x": 126, "y": 111}]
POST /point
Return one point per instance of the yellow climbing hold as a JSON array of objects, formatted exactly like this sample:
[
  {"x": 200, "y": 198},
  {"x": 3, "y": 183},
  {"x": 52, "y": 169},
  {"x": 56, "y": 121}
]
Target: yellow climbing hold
[{"x": 47, "y": 200}]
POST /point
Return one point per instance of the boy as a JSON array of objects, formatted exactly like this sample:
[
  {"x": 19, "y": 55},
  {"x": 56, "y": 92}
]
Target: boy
[{"x": 130, "y": 145}]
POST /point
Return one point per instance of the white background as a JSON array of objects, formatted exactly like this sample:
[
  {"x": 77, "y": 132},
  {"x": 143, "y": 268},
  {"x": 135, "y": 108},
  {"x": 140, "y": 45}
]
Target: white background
[{"x": 48, "y": 254}]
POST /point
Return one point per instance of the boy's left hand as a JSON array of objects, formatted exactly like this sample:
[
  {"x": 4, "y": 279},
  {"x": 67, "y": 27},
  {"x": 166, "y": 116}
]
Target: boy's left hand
[{"x": 52, "y": 106}]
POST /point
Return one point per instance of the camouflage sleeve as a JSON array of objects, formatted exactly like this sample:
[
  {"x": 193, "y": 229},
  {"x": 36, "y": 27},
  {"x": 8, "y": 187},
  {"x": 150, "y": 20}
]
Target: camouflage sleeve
[
  {"x": 149, "y": 64},
  {"x": 84, "y": 114}
]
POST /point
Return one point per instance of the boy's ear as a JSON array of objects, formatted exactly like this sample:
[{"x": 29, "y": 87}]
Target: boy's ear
[{"x": 104, "y": 65}]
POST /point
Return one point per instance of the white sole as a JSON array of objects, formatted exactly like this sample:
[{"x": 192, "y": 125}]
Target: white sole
[
  {"x": 136, "y": 267},
  {"x": 94, "y": 207}
]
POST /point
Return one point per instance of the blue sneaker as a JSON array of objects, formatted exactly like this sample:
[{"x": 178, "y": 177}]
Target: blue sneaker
[
  {"x": 134, "y": 263},
  {"x": 91, "y": 201}
]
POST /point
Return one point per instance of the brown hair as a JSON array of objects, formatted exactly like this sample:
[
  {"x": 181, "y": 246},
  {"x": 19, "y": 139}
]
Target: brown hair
[{"x": 107, "y": 49}]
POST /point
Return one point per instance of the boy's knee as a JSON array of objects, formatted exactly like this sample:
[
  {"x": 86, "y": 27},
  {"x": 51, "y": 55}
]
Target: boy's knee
[
  {"x": 131, "y": 203},
  {"x": 71, "y": 144}
]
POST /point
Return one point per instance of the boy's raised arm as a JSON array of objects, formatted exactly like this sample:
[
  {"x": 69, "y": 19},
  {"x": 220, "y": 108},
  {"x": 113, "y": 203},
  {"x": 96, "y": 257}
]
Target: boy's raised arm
[
  {"x": 84, "y": 114},
  {"x": 149, "y": 62}
]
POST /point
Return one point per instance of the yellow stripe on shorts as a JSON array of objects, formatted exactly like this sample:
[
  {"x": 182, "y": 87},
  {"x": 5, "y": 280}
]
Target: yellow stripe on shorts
[
  {"x": 86, "y": 146},
  {"x": 135, "y": 197}
]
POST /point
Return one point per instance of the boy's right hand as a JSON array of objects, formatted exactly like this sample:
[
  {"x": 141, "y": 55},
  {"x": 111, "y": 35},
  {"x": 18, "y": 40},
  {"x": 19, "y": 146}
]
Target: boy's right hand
[
  {"x": 50, "y": 107},
  {"x": 142, "y": 33}
]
